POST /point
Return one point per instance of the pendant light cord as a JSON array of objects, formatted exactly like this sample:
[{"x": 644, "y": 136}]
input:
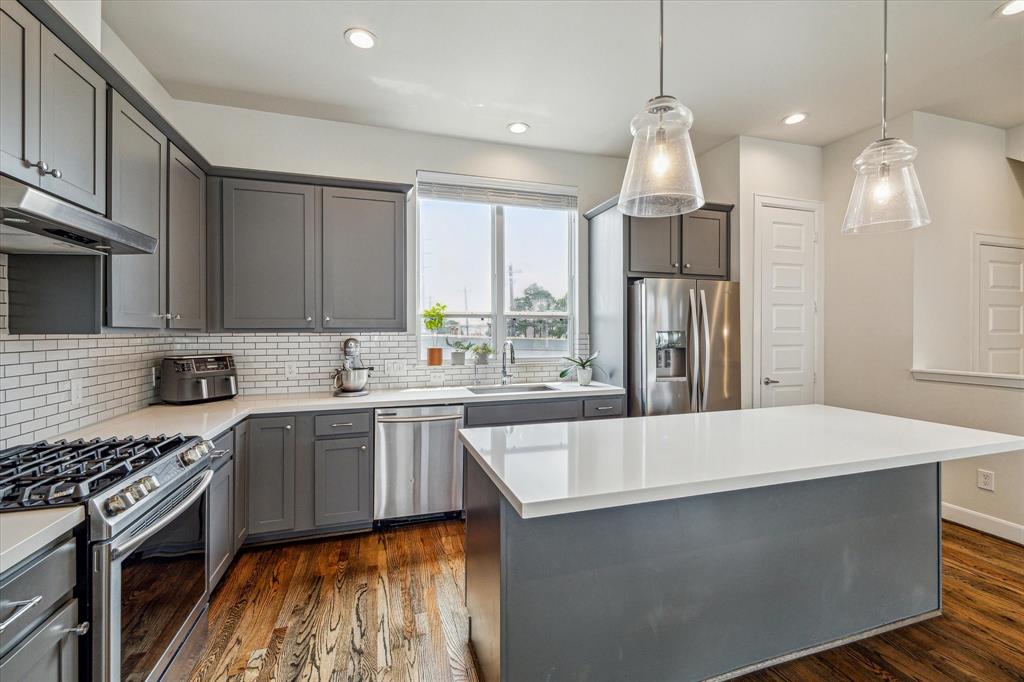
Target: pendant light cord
[
  {"x": 661, "y": 49},
  {"x": 885, "y": 60}
]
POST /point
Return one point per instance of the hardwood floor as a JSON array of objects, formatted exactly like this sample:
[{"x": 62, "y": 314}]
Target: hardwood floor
[{"x": 388, "y": 606}]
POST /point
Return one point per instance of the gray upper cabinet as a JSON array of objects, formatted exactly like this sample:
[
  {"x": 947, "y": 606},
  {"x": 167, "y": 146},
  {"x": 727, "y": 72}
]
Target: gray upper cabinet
[
  {"x": 19, "y": 92},
  {"x": 269, "y": 255},
  {"x": 72, "y": 127},
  {"x": 271, "y": 451},
  {"x": 138, "y": 199},
  {"x": 654, "y": 245},
  {"x": 705, "y": 244},
  {"x": 363, "y": 260},
  {"x": 343, "y": 481},
  {"x": 186, "y": 243}
]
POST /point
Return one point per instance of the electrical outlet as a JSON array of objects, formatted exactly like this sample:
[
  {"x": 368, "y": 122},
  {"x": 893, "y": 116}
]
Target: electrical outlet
[
  {"x": 291, "y": 370},
  {"x": 987, "y": 480},
  {"x": 77, "y": 390},
  {"x": 394, "y": 367},
  {"x": 437, "y": 378}
]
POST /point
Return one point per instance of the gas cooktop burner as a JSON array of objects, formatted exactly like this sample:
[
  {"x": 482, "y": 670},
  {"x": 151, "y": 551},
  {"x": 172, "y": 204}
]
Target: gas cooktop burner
[{"x": 62, "y": 473}]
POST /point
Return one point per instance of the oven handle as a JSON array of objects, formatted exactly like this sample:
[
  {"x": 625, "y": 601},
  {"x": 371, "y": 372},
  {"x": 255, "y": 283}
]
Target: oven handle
[{"x": 132, "y": 545}]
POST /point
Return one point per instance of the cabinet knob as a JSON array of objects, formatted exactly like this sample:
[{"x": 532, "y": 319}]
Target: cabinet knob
[
  {"x": 309, "y": 318},
  {"x": 687, "y": 266},
  {"x": 80, "y": 629},
  {"x": 43, "y": 167},
  {"x": 675, "y": 265},
  {"x": 327, "y": 318},
  {"x": 177, "y": 316},
  {"x": 362, "y": 447},
  {"x": 56, "y": 173},
  {"x": 287, "y": 427}
]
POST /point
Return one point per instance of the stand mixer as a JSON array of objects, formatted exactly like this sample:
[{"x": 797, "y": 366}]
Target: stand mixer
[{"x": 350, "y": 380}]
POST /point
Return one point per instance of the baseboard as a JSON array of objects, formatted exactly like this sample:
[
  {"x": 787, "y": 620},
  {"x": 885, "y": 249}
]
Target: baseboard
[{"x": 1014, "y": 532}]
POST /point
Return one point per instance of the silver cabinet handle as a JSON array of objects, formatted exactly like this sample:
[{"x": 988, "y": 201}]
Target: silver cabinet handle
[
  {"x": 177, "y": 316},
  {"x": 327, "y": 318},
  {"x": 687, "y": 265},
  {"x": 23, "y": 607},
  {"x": 43, "y": 167},
  {"x": 287, "y": 427},
  {"x": 675, "y": 265},
  {"x": 309, "y": 318},
  {"x": 605, "y": 407},
  {"x": 80, "y": 629},
  {"x": 362, "y": 447},
  {"x": 56, "y": 173},
  {"x": 341, "y": 424},
  {"x": 217, "y": 454},
  {"x": 767, "y": 381}
]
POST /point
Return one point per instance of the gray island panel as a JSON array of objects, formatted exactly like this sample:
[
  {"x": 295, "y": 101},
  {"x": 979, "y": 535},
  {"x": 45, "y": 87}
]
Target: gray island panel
[{"x": 692, "y": 588}]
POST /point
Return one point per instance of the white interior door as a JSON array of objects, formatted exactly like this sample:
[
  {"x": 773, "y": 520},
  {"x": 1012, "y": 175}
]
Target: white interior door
[
  {"x": 788, "y": 290},
  {"x": 1001, "y": 309}
]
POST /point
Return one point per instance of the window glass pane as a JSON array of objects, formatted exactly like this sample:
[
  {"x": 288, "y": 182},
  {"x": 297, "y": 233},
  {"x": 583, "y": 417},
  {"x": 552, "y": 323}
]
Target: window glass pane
[
  {"x": 455, "y": 255},
  {"x": 538, "y": 336},
  {"x": 472, "y": 330},
  {"x": 536, "y": 268}
]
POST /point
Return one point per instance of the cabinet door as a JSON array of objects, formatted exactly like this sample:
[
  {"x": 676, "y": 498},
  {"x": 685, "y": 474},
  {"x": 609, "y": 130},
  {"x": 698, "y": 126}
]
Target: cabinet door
[
  {"x": 138, "y": 199},
  {"x": 706, "y": 244},
  {"x": 654, "y": 245},
  {"x": 48, "y": 655},
  {"x": 240, "y": 516},
  {"x": 221, "y": 506},
  {"x": 186, "y": 243},
  {"x": 363, "y": 260},
  {"x": 343, "y": 481},
  {"x": 19, "y": 92},
  {"x": 271, "y": 474},
  {"x": 73, "y": 124},
  {"x": 269, "y": 255}
]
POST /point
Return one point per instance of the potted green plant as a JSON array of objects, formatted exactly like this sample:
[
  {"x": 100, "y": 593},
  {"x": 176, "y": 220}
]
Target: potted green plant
[
  {"x": 459, "y": 350},
  {"x": 433, "y": 321},
  {"x": 483, "y": 352},
  {"x": 583, "y": 366}
]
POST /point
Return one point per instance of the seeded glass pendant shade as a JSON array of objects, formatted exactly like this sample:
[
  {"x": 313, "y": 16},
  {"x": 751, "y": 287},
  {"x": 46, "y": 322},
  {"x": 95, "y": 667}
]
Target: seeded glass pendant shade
[
  {"x": 886, "y": 196},
  {"x": 661, "y": 175}
]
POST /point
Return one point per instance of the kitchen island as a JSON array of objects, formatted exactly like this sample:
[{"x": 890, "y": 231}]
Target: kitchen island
[{"x": 701, "y": 546}]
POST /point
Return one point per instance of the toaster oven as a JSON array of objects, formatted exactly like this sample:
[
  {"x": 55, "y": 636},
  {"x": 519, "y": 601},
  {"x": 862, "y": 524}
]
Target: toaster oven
[{"x": 197, "y": 378}]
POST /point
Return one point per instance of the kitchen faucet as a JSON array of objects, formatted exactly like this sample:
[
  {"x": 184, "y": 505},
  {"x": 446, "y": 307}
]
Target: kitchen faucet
[{"x": 508, "y": 358}]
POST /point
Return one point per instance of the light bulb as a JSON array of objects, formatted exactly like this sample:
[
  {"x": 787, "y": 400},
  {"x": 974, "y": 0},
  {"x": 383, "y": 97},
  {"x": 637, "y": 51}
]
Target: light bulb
[
  {"x": 882, "y": 192},
  {"x": 661, "y": 162}
]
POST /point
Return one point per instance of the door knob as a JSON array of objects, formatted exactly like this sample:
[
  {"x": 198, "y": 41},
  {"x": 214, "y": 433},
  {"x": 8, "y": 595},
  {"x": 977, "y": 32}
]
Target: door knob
[{"x": 768, "y": 381}]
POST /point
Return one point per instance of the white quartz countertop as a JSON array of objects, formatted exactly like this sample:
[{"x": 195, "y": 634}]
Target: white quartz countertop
[
  {"x": 211, "y": 419},
  {"x": 24, "y": 533},
  {"x": 547, "y": 469}
]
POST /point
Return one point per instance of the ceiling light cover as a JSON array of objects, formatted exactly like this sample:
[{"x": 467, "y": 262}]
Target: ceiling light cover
[
  {"x": 518, "y": 127},
  {"x": 361, "y": 38},
  {"x": 661, "y": 176},
  {"x": 1012, "y": 7},
  {"x": 886, "y": 195},
  {"x": 793, "y": 119}
]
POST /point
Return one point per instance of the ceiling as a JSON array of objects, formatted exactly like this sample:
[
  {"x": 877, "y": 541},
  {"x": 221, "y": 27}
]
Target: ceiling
[{"x": 577, "y": 71}]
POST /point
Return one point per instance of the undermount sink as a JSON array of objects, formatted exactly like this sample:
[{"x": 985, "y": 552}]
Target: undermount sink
[{"x": 510, "y": 388}]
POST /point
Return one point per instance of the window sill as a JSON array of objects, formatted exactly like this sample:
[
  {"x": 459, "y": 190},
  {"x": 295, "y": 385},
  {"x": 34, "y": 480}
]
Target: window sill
[
  {"x": 958, "y": 376},
  {"x": 495, "y": 362}
]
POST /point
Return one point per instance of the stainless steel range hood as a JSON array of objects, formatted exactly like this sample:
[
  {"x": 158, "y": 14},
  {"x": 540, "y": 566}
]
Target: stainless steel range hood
[{"x": 35, "y": 222}]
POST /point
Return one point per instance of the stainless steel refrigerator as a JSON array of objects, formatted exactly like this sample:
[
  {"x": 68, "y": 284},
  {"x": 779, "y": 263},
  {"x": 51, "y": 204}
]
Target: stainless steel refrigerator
[{"x": 684, "y": 346}]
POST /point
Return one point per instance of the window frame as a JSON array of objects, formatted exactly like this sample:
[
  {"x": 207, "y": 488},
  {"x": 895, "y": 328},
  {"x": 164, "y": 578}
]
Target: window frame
[{"x": 499, "y": 314}]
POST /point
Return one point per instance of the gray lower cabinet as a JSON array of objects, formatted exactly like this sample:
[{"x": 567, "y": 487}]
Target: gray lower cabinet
[
  {"x": 138, "y": 199},
  {"x": 654, "y": 245},
  {"x": 52, "y": 112},
  {"x": 343, "y": 481},
  {"x": 540, "y": 411},
  {"x": 50, "y": 654},
  {"x": 705, "y": 244},
  {"x": 269, "y": 255},
  {"x": 221, "y": 527},
  {"x": 363, "y": 260},
  {"x": 271, "y": 451},
  {"x": 186, "y": 242},
  {"x": 240, "y": 516}
]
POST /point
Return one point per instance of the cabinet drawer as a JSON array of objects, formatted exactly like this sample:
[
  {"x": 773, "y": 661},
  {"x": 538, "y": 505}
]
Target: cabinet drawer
[
  {"x": 223, "y": 449},
  {"x": 47, "y": 582},
  {"x": 603, "y": 407},
  {"x": 51, "y": 653},
  {"x": 342, "y": 423},
  {"x": 522, "y": 413}
]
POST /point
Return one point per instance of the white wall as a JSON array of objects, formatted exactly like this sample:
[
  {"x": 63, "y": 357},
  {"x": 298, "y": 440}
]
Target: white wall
[
  {"x": 970, "y": 187},
  {"x": 1015, "y": 143},
  {"x": 135, "y": 72},
  {"x": 85, "y": 15},
  {"x": 869, "y": 341}
]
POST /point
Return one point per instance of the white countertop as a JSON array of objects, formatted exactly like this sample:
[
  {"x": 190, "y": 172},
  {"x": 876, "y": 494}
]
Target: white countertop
[
  {"x": 547, "y": 469},
  {"x": 24, "y": 533},
  {"x": 211, "y": 419}
]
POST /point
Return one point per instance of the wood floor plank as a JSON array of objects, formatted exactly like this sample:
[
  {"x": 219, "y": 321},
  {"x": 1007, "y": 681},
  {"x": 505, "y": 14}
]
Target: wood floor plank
[{"x": 389, "y": 606}]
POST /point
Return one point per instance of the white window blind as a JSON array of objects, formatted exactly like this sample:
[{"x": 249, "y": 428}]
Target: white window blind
[{"x": 466, "y": 188}]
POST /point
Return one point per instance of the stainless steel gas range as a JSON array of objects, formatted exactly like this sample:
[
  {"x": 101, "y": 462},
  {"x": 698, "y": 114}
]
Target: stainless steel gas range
[{"x": 146, "y": 512}]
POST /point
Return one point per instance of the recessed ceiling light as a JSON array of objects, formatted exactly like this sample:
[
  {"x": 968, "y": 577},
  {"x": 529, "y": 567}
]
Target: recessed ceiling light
[
  {"x": 1012, "y": 7},
  {"x": 360, "y": 37},
  {"x": 518, "y": 128},
  {"x": 793, "y": 119}
]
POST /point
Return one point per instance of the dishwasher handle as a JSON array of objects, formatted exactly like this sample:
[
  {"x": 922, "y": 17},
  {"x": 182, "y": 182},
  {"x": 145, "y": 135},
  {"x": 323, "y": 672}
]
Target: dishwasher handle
[{"x": 416, "y": 420}]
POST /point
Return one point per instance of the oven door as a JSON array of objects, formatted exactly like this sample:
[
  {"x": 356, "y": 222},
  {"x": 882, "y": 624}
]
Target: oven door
[{"x": 149, "y": 586}]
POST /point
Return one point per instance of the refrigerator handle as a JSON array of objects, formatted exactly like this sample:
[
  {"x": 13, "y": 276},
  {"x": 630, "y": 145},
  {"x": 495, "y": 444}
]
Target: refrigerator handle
[
  {"x": 693, "y": 354},
  {"x": 706, "y": 371}
]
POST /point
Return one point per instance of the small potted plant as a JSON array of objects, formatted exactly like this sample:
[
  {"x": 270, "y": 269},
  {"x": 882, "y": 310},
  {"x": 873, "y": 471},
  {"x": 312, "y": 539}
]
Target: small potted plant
[
  {"x": 433, "y": 321},
  {"x": 459, "y": 350},
  {"x": 483, "y": 352},
  {"x": 583, "y": 366}
]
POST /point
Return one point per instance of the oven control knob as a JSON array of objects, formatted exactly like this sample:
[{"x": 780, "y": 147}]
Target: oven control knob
[
  {"x": 138, "y": 490},
  {"x": 150, "y": 483},
  {"x": 119, "y": 502}
]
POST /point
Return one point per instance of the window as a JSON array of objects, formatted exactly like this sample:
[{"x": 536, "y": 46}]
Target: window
[{"x": 501, "y": 261}]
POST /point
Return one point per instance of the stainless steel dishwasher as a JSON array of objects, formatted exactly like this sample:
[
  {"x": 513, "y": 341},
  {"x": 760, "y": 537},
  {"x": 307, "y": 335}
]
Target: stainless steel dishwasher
[{"x": 417, "y": 462}]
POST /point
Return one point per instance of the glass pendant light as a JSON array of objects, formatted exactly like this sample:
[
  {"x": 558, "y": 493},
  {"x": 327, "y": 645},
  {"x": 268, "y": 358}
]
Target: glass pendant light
[
  {"x": 661, "y": 175},
  {"x": 886, "y": 195}
]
